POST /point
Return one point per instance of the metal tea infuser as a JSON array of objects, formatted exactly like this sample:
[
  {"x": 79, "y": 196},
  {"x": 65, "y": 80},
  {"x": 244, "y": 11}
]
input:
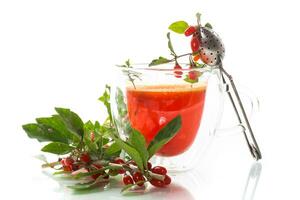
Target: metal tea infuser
[{"x": 212, "y": 52}]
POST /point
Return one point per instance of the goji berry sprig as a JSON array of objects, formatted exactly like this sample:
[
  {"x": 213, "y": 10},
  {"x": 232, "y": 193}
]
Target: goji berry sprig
[
  {"x": 91, "y": 151},
  {"x": 104, "y": 170},
  {"x": 193, "y": 31}
]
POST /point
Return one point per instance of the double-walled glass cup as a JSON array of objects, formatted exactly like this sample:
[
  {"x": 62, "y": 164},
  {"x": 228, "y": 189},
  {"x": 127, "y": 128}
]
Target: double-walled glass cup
[{"x": 147, "y": 98}]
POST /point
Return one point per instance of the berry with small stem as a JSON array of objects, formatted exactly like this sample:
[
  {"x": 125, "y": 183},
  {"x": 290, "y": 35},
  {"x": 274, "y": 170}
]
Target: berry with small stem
[
  {"x": 95, "y": 176},
  {"x": 167, "y": 180},
  {"x": 159, "y": 170},
  {"x": 195, "y": 43},
  {"x": 67, "y": 161},
  {"x": 157, "y": 183},
  {"x": 177, "y": 70},
  {"x": 193, "y": 75},
  {"x": 138, "y": 176},
  {"x": 132, "y": 162},
  {"x": 190, "y": 31},
  {"x": 197, "y": 57},
  {"x": 85, "y": 157},
  {"x": 120, "y": 161},
  {"x": 127, "y": 180},
  {"x": 67, "y": 168},
  {"x": 62, "y": 162},
  {"x": 75, "y": 167}
]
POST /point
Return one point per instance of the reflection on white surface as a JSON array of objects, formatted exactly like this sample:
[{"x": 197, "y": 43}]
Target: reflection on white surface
[
  {"x": 191, "y": 185},
  {"x": 112, "y": 192},
  {"x": 252, "y": 181}
]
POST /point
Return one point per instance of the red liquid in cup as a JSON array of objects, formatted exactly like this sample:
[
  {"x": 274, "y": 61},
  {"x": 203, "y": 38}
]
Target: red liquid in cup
[{"x": 151, "y": 107}]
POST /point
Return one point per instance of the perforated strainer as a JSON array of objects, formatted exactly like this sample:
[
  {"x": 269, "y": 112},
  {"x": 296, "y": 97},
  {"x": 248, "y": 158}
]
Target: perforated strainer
[{"x": 212, "y": 52}]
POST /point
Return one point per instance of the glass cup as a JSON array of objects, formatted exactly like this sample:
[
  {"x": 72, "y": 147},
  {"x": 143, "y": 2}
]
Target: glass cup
[{"x": 147, "y": 98}]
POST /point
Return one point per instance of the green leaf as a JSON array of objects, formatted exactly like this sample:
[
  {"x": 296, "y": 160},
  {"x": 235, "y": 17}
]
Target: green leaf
[
  {"x": 164, "y": 135},
  {"x": 105, "y": 141},
  {"x": 127, "y": 62},
  {"x": 112, "y": 150},
  {"x": 131, "y": 151},
  {"x": 137, "y": 140},
  {"x": 187, "y": 79},
  {"x": 55, "y": 122},
  {"x": 121, "y": 106},
  {"x": 127, "y": 187},
  {"x": 170, "y": 44},
  {"x": 208, "y": 25},
  {"x": 88, "y": 129},
  {"x": 44, "y": 133},
  {"x": 89, "y": 185},
  {"x": 92, "y": 147},
  {"x": 199, "y": 65},
  {"x": 81, "y": 175},
  {"x": 42, "y": 158},
  {"x": 71, "y": 120},
  {"x": 179, "y": 27},
  {"x": 83, "y": 186},
  {"x": 57, "y": 148},
  {"x": 61, "y": 172},
  {"x": 105, "y": 99},
  {"x": 89, "y": 126},
  {"x": 107, "y": 131},
  {"x": 197, "y": 74},
  {"x": 159, "y": 61},
  {"x": 126, "y": 65},
  {"x": 99, "y": 130}
]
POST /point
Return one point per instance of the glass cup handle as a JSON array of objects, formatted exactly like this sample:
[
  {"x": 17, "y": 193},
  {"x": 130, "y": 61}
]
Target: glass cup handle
[{"x": 253, "y": 102}]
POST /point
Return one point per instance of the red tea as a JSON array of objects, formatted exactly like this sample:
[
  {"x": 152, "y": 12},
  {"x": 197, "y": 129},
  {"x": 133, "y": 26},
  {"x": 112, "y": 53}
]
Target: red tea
[{"x": 152, "y": 107}]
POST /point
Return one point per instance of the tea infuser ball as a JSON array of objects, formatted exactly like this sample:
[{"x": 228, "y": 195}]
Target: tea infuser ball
[
  {"x": 212, "y": 52},
  {"x": 212, "y": 49}
]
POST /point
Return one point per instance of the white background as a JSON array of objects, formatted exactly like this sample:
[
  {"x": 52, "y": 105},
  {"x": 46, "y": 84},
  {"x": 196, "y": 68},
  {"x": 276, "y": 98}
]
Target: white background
[{"x": 60, "y": 53}]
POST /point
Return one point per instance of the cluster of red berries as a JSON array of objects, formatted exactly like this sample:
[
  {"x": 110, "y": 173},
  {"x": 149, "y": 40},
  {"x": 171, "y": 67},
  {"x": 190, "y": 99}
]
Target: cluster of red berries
[
  {"x": 162, "y": 171},
  {"x": 177, "y": 71},
  {"x": 70, "y": 165},
  {"x": 85, "y": 161},
  {"x": 195, "y": 45},
  {"x": 137, "y": 176},
  {"x": 110, "y": 172},
  {"x": 192, "y": 75},
  {"x": 195, "y": 42},
  {"x": 130, "y": 177}
]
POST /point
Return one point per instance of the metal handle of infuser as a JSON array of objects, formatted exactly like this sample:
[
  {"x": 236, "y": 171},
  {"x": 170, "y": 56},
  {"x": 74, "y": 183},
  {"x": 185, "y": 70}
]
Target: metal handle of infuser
[
  {"x": 241, "y": 115},
  {"x": 212, "y": 52}
]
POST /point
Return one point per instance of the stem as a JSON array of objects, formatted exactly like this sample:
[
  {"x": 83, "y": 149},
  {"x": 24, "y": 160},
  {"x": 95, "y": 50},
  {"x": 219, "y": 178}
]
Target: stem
[
  {"x": 182, "y": 55},
  {"x": 187, "y": 54},
  {"x": 132, "y": 167},
  {"x": 52, "y": 164},
  {"x": 131, "y": 80},
  {"x": 115, "y": 165},
  {"x": 157, "y": 176}
]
